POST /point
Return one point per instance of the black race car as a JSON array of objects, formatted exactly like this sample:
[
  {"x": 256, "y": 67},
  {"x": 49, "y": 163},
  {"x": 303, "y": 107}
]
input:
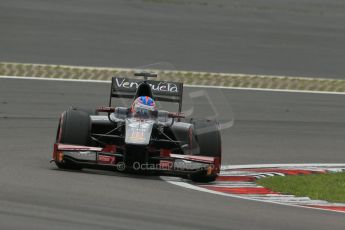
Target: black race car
[{"x": 114, "y": 138}]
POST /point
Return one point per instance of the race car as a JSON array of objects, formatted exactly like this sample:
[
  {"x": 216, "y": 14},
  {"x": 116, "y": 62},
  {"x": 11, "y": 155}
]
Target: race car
[{"x": 140, "y": 137}]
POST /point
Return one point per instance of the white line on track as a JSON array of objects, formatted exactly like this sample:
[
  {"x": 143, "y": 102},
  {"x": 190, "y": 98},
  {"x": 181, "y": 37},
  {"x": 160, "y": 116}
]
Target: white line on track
[
  {"x": 226, "y": 167},
  {"x": 192, "y": 86}
]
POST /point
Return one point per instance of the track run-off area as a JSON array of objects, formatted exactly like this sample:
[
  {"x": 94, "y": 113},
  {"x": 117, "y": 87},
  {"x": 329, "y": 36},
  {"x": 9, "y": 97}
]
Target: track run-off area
[{"x": 239, "y": 181}]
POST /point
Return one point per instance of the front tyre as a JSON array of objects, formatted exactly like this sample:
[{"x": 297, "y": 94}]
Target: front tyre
[
  {"x": 208, "y": 139},
  {"x": 202, "y": 177},
  {"x": 74, "y": 128}
]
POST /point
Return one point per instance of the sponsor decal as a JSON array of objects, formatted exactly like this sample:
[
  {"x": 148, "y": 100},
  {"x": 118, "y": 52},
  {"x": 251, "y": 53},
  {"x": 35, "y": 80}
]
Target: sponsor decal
[
  {"x": 137, "y": 135},
  {"x": 166, "y": 165},
  {"x": 156, "y": 86},
  {"x": 103, "y": 159},
  {"x": 81, "y": 155}
]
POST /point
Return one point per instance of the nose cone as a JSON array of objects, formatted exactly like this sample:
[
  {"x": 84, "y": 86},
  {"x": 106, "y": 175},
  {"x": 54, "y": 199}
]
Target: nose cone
[{"x": 138, "y": 132}]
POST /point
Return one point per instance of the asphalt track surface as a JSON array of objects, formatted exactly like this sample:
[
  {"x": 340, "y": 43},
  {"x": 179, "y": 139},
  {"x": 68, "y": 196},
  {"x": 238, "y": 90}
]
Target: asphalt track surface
[
  {"x": 295, "y": 37},
  {"x": 269, "y": 128},
  {"x": 279, "y": 37}
]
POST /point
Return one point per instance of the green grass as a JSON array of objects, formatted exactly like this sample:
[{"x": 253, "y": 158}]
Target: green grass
[{"x": 329, "y": 187}]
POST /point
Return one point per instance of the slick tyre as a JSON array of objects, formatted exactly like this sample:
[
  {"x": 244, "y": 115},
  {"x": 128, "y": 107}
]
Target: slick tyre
[
  {"x": 74, "y": 128},
  {"x": 208, "y": 139},
  {"x": 202, "y": 177}
]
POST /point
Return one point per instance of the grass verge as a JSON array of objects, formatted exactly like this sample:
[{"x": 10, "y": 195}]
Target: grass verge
[{"x": 329, "y": 187}]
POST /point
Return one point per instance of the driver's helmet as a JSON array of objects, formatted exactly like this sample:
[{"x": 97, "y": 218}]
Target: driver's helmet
[{"x": 143, "y": 107}]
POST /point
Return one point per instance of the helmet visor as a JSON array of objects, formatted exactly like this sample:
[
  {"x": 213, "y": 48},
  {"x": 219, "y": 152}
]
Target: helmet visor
[{"x": 143, "y": 113}]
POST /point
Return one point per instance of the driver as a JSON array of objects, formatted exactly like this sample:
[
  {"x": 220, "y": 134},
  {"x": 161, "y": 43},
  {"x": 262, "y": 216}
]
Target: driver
[{"x": 143, "y": 107}]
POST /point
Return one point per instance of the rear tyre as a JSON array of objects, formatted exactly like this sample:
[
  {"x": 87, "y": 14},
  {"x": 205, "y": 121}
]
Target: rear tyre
[
  {"x": 207, "y": 137},
  {"x": 74, "y": 128}
]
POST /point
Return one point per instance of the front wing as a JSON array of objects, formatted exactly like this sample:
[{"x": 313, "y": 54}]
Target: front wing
[{"x": 169, "y": 164}]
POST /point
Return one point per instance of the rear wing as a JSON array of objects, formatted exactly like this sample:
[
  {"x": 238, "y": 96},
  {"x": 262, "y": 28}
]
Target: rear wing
[{"x": 162, "y": 91}]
